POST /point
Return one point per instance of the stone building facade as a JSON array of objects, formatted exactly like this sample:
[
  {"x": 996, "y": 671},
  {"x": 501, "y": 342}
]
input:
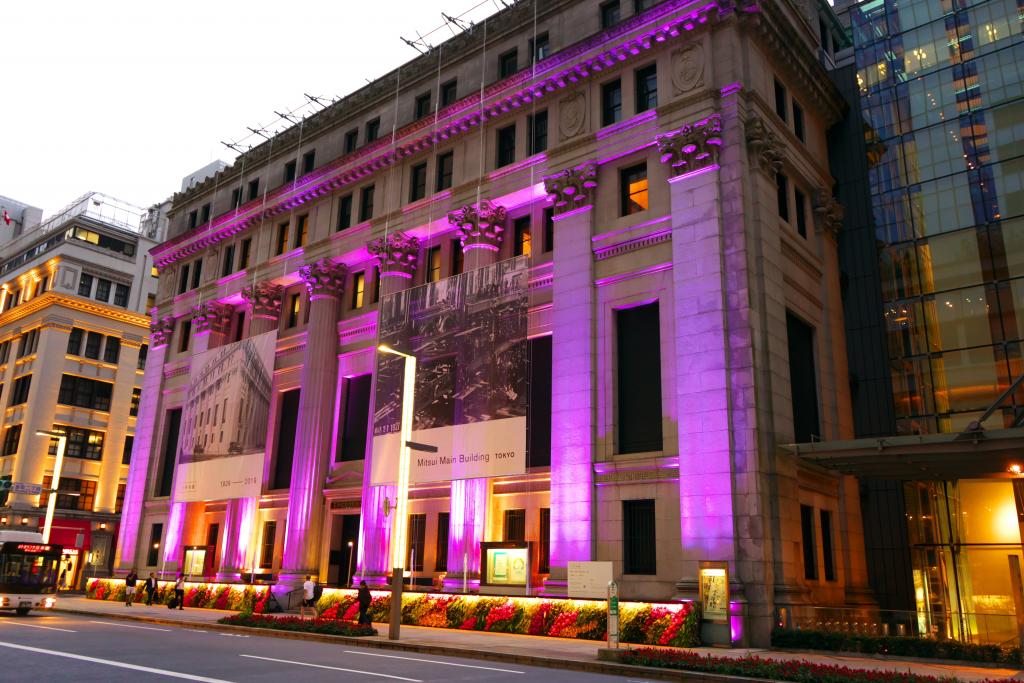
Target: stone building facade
[{"x": 664, "y": 166}]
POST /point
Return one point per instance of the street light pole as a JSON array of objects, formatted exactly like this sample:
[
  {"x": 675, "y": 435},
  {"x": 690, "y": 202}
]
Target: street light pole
[
  {"x": 348, "y": 578},
  {"x": 58, "y": 463}
]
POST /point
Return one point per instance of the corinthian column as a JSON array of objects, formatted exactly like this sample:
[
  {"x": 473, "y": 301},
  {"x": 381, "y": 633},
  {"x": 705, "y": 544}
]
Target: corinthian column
[
  {"x": 264, "y": 301},
  {"x": 397, "y": 255},
  {"x": 480, "y": 228},
  {"x": 325, "y": 282}
]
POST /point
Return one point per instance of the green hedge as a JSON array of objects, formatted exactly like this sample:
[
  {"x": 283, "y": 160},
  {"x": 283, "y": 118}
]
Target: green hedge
[{"x": 929, "y": 648}]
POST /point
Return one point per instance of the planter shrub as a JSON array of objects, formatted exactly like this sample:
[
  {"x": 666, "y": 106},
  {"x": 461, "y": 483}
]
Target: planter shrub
[
  {"x": 331, "y": 627},
  {"x": 928, "y": 648},
  {"x": 218, "y": 596}
]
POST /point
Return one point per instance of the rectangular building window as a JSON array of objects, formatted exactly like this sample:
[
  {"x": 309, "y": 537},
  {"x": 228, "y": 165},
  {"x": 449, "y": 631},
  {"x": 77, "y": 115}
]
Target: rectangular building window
[
  {"x": 308, "y": 161},
  {"x": 12, "y": 438},
  {"x": 355, "y": 418},
  {"x": 366, "y": 204},
  {"x": 236, "y": 197},
  {"x": 441, "y": 548},
  {"x": 445, "y": 168},
  {"x": 183, "y": 282},
  {"x": 267, "y": 545},
  {"x": 506, "y": 146},
  {"x": 540, "y": 47},
  {"x": 809, "y": 549},
  {"x": 345, "y": 212},
  {"x": 633, "y": 189},
  {"x": 434, "y": 264},
  {"x": 301, "y": 230},
  {"x": 646, "y": 88},
  {"x": 639, "y": 378},
  {"x": 83, "y": 392},
  {"x": 289, "y": 171},
  {"x": 610, "y": 14},
  {"x": 204, "y": 214},
  {"x": 537, "y": 132},
  {"x": 238, "y": 326},
  {"x": 611, "y": 102},
  {"x": 372, "y": 130},
  {"x": 193, "y": 219},
  {"x": 197, "y": 273},
  {"x": 103, "y": 290},
  {"x": 351, "y": 140},
  {"x": 143, "y": 355},
  {"x": 156, "y": 533},
  {"x": 93, "y": 340},
  {"x": 282, "y": 238},
  {"x": 288, "y": 418},
  {"x": 294, "y": 303},
  {"x": 184, "y": 335},
  {"x": 172, "y": 422},
  {"x": 803, "y": 385},
  {"x": 84, "y": 444},
  {"x": 549, "y": 229},
  {"x": 522, "y": 236},
  {"x": 417, "y": 541},
  {"x": 75, "y": 341},
  {"x": 254, "y": 189},
  {"x": 358, "y": 289},
  {"x": 448, "y": 92},
  {"x": 782, "y": 195},
  {"x": 19, "y": 392},
  {"x": 515, "y": 525},
  {"x": 72, "y": 493},
  {"x": 121, "y": 295},
  {"x": 458, "y": 257},
  {"x": 798, "y": 121},
  {"x": 639, "y": 539},
  {"x": 544, "y": 541},
  {"x": 376, "y": 284},
  {"x": 28, "y": 343},
  {"x": 422, "y": 106},
  {"x": 418, "y": 182},
  {"x": 119, "y": 500},
  {"x": 126, "y": 451},
  {"x": 227, "y": 266},
  {"x": 112, "y": 350},
  {"x": 5, "y": 351},
  {"x": 826, "y": 544},
  {"x": 508, "y": 63},
  {"x": 538, "y": 410},
  {"x": 801, "y": 212},
  {"x": 780, "y": 100},
  {"x": 243, "y": 257},
  {"x": 640, "y": 6}
]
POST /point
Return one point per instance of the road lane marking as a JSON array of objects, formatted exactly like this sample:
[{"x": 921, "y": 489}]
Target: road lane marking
[
  {"x": 334, "y": 668},
  {"x": 434, "y": 661},
  {"x": 113, "y": 623},
  {"x": 110, "y": 662},
  {"x": 48, "y": 628}
]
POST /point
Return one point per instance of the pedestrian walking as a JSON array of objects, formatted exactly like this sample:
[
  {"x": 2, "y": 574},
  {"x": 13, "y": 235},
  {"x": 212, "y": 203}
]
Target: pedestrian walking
[
  {"x": 150, "y": 588},
  {"x": 364, "y": 599},
  {"x": 179, "y": 591},
  {"x": 129, "y": 587},
  {"x": 62, "y": 582},
  {"x": 308, "y": 597}
]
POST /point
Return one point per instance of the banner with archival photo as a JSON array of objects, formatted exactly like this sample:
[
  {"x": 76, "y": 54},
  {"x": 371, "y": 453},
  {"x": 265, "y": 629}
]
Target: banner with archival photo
[
  {"x": 224, "y": 424},
  {"x": 468, "y": 334}
]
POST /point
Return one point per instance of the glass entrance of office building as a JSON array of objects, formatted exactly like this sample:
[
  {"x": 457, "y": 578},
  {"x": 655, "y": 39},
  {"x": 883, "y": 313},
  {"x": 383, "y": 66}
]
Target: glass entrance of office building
[{"x": 965, "y": 542}]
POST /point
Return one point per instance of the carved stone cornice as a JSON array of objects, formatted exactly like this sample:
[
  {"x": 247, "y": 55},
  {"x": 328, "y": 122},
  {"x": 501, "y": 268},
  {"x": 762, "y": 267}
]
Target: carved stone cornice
[
  {"x": 692, "y": 147},
  {"x": 211, "y": 316},
  {"x": 572, "y": 188},
  {"x": 264, "y": 299},
  {"x": 161, "y": 330},
  {"x": 765, "y": 148},
  {"x": 324, "y": 279},
  {"x": 397, "y": 254},
  {"x": 829, "y": 213},
  {"x": 480, "y": 225}
]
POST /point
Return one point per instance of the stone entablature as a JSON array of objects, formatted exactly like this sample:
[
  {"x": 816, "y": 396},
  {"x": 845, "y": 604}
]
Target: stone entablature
[
  {"x": 264, "y": 299},
  {"x": 480, "y": 225},
  {"x": 324, "y": 278},
  {"x": 397, "y": 254},
  {"x": 692, "y": 147},
  {"x": 573, "y": 188}
]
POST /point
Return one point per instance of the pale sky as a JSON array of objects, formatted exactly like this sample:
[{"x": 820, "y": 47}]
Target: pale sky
[{"x": 126, "y": 97}]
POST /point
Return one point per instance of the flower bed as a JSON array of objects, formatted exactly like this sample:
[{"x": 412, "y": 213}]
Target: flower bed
[
  {"x": 774, "y": 669},
  {"x": 210, "y": 595},
  {"x": 331, "y": 627},
  {"x": 640, "y": 623},
  {"x": 899, "y": 647}
]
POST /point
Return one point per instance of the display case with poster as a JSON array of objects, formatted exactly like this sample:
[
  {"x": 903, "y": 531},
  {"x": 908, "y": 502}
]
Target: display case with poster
[{"x": 506, "y": 567}]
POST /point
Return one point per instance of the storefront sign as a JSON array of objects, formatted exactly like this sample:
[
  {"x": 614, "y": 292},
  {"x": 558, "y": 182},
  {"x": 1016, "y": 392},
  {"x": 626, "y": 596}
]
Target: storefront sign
[
  {"x": 72, "y": 552},
  {"x": 714, "y": 591},
  {"x": 589, "y": 579},
  {"x": 506, "y": 564}
]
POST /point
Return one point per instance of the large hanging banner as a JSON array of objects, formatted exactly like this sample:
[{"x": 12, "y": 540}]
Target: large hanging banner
[
  {"x": 468, "y": 335},
  {"x": 224, "y": 424}
]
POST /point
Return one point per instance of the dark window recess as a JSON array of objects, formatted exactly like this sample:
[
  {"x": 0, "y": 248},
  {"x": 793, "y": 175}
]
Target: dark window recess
[
  {"x": 267, "y": 545},
  {"x": 351, "y": 140},
  {"x": 243, "y": 258},
  {"x": 85, "y": 285},
  {"x": 84, "y": 444},
  {"x": 103, "y": 290},
  {"x": 434, "y": 264},
  {"x": 802, "y": 380},
  {"x": 782, "y": 195},
  {"x": 133, "y": 410},
  {"x": 238, "y": 326},
  {"x": 422, "y": 108},
  {"x": 72, "y": 493},
  {"x": 156, "y": 533},
  {"x": 540, "y": 47},
  {"x": 4, "y": 495},
  {"x": 301, "y": 230},
  {"x": 308, "y": 161},
  {"x": 172, "y": 428},
  {"x": 549, "y": 229},
  {"x": 92, "y": 345},
  {"x": 204, "y": 214},
  {"x": 28, "y": 342},
  {"x": 537, "y": 132},
  {"x": 212, "y": 534},
  {"x": 288, "y": 417},
  {"x": 254, "y": 189},
  {"x": 376, "y": 284},
  {"x": 236, "y": 197},
  {"x": 508, "y": 63},
  {"x": 193, "y": 219},
  {"x": 372, "y": 130},
  {"x": 418, "y": 182},
  {"x": 521, "y": 230},
  {"x": 183, "y": 282},
  {"x": 801, "y": 212},
  {"x": 807, "y": 536},
  {"x": 639, "y": 540},
  {"x": 293, "y": 311},
  {"x": 611, "y": 102},
  {"x": 228, "y": 264},
  {"x": 197, "y": 272},
  {"x": 19, "y": 392},
  {"x": 112, "y": 350},
  {"x": 143, "y": 355},
  {"x": 515, "y": 525},
  {"x": 544, "y": 541},
  {"x": 289, "y": 171},
  {"x": 633, "y": 189},
  {"x": 119, "y": 500},
  {"x": 282, "y": 239},
  {"x": 12, "y": 437},
  {"x": 780, "y": 99},
  {"x": 826, "y": 545},
  {"x": 82, "y": 392},
  {"x": 441, "y": 549},
  {"x": 458, "y": 257},
  {"x": 506, "y": 146},
  {"x": 355, "y": 418},
  {"x": 646, "y": 88},
  {"x": 642, "y": 5},
  {"x": 75, "y": 341},
  {"x": 417, "y": 541},
  {"x": 798, "y": 121},
  {"x": 126, "y": 452},
  {"x": 445, "y": 168},
  {"x": 448, "y": 92},
  {"x": 121, "y": 295},
  {"x": 184, "y": 335},
  {"x": 639, "y": 378},
  {"x": 538, "y": 411},
  {"x": 345, "y": 212},
  {"x": 610, "y": 14},
  {"x": 366, "y": 204}
]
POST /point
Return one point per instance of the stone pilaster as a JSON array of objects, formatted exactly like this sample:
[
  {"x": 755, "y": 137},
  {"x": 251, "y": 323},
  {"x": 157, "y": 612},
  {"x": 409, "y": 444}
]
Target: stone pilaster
[
  {"x": 325, "y": 282},
  {"x": 480, "y": 228},
  {"x": 573, "y": 188},
  {"x": 693, "y": 147},
  {"x": 397, "y": 255},
  {"x": 264, "y": 301}
]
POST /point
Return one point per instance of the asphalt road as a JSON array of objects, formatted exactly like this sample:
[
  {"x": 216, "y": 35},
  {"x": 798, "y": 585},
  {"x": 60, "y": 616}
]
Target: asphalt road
[{"x": 52, "y": 647}]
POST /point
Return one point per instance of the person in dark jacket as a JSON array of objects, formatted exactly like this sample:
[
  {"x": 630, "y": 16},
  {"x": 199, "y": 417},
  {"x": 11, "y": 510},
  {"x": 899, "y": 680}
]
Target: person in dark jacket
[
  {"x": 150, "y": 588},
  {"x": 365, "y": 599},
  {"x": 129, "y": 587}
]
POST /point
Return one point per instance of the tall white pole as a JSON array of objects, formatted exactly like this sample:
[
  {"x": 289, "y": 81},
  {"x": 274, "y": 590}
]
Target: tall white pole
[{"x": 51, "y": 502}]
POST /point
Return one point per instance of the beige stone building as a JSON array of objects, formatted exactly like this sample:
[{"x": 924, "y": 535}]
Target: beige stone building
[{"x": 663, "y": 165}]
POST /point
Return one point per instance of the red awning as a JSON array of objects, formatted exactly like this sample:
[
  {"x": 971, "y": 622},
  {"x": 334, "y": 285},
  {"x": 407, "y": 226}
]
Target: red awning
[{"x": 66, "y": 532}]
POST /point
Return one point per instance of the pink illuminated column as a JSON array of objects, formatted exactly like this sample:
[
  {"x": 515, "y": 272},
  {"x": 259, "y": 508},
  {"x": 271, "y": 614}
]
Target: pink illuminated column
[
  {"x": 145, "y": 446},
  {"x": 264, "y": 300},
  {"x": 209, "y": 326},
  {"x": 572, "y": 358},
  {"x": 325, "y": 282},
  {"x": 480, "y": 228},
  {"x": 397, "y": 255}
]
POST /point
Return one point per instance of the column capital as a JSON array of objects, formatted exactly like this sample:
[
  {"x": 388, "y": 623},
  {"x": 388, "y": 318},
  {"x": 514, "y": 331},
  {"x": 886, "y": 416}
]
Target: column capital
[
  {"x": 572, "y": 188},
  {"x": 764, "y": 146},
  {"x": 211, "y": 316},
  {"x": 480, "y": 225},
  {"x": 264, "y": 299},
  {"x": 829, "y": 212},
  {"x": 397, "y": 254},
  {"x": 324, "y": 279},
  {"x": 161, "y": 330},
  {"x": 692, "y": 147}
]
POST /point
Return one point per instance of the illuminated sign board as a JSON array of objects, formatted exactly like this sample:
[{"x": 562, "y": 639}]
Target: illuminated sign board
[
  {"x": 506, "y": 564},
  {"x": 714, "y": 591},
  {"x": 33, "y": 548}
]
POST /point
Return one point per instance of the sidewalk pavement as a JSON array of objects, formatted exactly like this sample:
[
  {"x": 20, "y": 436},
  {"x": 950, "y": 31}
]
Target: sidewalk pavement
[{"x": 533, "y": 650}]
